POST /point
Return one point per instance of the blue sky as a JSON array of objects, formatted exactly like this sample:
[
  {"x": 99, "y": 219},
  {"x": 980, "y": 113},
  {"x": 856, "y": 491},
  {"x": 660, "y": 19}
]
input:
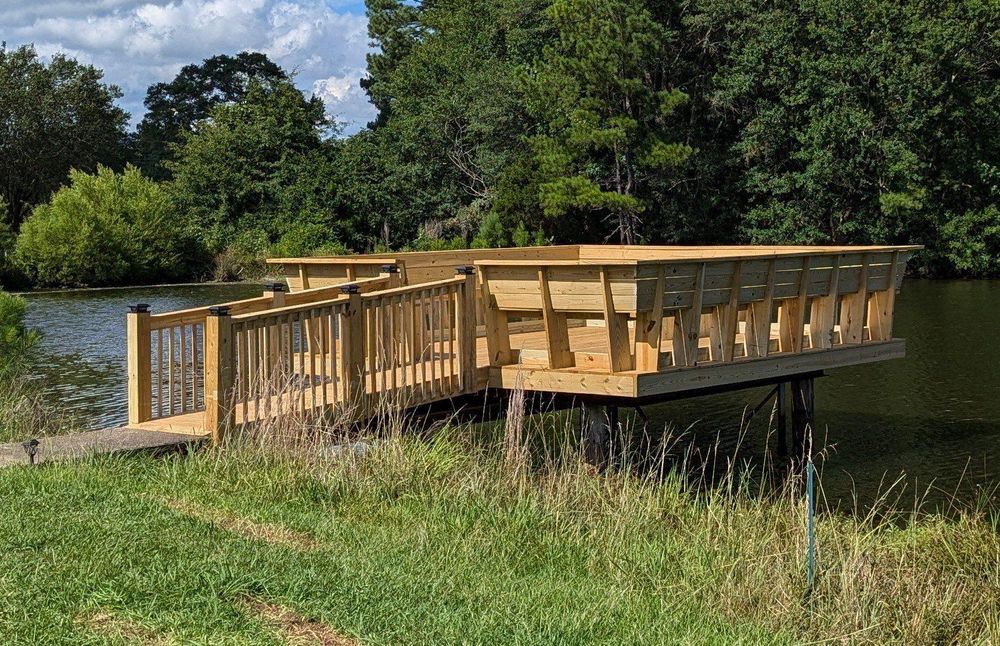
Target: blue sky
[{"x": 140, "y": 42}]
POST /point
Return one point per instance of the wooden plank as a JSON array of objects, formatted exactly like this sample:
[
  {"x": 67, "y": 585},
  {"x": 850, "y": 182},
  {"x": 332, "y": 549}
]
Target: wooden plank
[
  {"x": 219, "y": 413},
  {"x": 649, "y": 329},
  {"x": 556, "y": 331},
  {"x": 497, "y": 332},
  {"x": 758, "y": 328},
  {"x": 687, "y": 324},
  {"x": 852, "y": 309},
  {"x": 823, "y": 312},
  {"x": 139, "y": 353},
  {"x": 882, "y": 305},
  {"x": 791, "y": 314},
  {"x": 616, "y": 329}
]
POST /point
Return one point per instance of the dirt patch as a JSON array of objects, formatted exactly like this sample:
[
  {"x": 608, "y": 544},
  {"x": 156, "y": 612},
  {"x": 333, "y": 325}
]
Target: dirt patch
[
  {"x": 294, "y": 628},
  {"x": 108, "y": 625},
  {"x": 267, "y": 532}
]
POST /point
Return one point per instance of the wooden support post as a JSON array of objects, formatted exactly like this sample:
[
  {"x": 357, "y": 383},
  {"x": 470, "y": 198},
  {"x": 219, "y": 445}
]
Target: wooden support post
[
  {"x": 140, "y": 370},
  {"x": 395, "y": 278},
  {"x": 616, "y": 329},
  {"x": 792, "y": 312},
  {"x": 497, "y": 330},
  {"x": 687, "y": 324},
  {"x": 352, "y": 339},
  {"x": 803, "y": 414},
  {"x": 852, "y": 309},
  {"x": 758, "y": 328},
  {"x": 466, "y": 326},
  {"x": 649, "y": 329},
  {"x": 882, "y": 305},
  {"x": 781, "y": 420},
  {"x": 824, "y": 311},
  {"x": 556, "y": 330},
  {"x": 599, "y": 425},
  {"x": 219, "y": 410},
  {"x": 277, "y": 293}
]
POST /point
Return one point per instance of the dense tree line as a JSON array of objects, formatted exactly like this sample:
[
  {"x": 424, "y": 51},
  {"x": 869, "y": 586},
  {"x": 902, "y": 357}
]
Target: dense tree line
[{"x": 522, "y": 121}]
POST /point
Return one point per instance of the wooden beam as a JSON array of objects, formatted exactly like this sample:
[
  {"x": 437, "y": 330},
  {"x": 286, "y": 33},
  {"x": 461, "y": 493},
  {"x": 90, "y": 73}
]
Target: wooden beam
[
  {"x": 616, "y": 329},
  {"x": 649, "y": 329},
  {"x": 823, "y": 314},
  {"x": 140, "y": 378},
  {"x": 882, "y": 305},
  {"x": 556, "y": 331},
  {"x": 791, "y": 314},
  {"x": 497, "y": 332},
  {"x": 758, "y": 328},
  {"x": 852, "y": 309},
  {"x": 687, "y": 324},
  {"x": 220, "y": 414}
]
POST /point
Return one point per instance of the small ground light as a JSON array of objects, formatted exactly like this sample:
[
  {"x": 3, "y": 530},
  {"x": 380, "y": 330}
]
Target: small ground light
[{"x": 31, "y": 448}]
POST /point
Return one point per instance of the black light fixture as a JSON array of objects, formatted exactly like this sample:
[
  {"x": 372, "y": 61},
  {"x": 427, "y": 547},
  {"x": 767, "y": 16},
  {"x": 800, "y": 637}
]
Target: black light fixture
[
  {"x": 141, "y": 308},
  {"x": 465, "y": 270},
  {"x": 276, "y": 287},
  {"x": 219, "y": 310},
  {"x": 31, "y": 448},
  {"x": 350, "y": 289}
]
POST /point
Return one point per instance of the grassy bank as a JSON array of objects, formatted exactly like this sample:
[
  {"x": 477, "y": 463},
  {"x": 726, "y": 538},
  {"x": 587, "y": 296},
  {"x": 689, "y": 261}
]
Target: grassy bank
[{"x": 445, "y": 540}]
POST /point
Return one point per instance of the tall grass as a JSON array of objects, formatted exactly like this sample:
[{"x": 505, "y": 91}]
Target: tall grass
[{"x": 710, "y": 529}]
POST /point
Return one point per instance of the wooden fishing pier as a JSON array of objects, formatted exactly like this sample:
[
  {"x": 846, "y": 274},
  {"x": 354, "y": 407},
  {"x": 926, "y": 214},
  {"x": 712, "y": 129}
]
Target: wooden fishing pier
[{"x": 609, "y": 325}]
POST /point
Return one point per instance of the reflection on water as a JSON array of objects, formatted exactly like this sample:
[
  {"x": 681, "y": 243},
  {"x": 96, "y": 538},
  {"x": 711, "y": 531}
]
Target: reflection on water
[
  {"x": 934, "y": 415},
  {"x": 82, "y": 353}
]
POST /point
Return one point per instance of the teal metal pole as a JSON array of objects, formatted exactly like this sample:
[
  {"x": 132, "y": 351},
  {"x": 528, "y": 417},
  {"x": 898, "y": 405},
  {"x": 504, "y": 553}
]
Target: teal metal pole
[{"x": 811, "y": 524}]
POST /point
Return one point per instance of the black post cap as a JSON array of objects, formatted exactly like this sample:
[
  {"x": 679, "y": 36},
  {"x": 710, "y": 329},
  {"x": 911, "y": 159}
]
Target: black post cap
[
  {"x": 219, "y": 310},
  {"x": 141, "y": 308},
  {"x": 390, "y": 269},
  {"x": 276, "y": 287},
  {"x": 350, "y": 289},
  {"x": 465, "y": 270}
]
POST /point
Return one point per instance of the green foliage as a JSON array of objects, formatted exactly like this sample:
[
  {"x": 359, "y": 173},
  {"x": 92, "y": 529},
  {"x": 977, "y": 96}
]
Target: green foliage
[
  {"x": 107, "y": 229},
  {"x": 972, "y": 242},
  {"x": 860, "y": 121},
  {"x": 306, "y": 239},
  {"x": 243, "y": 257},
  {"x": 15, "y": 339},
  {"x": 54, "y": 116},
  {"x": 604, "y": 95},
  {"x": 233, "y": 172},
  {"x": 491, "y": 233},
  {"x": 174, "y": 108}
]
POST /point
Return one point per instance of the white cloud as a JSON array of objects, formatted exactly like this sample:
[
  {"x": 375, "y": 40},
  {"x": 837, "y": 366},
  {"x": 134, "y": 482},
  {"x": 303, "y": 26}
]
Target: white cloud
[{"x": 141, "y": 42}]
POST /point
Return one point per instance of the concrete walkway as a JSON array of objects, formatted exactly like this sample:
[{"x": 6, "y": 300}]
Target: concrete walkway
[{"x": 107, "y": 441}]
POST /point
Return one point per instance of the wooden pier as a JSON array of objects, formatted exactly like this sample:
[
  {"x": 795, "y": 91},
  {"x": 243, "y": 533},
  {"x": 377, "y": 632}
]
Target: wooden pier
[{"x": 602, "y": 323}]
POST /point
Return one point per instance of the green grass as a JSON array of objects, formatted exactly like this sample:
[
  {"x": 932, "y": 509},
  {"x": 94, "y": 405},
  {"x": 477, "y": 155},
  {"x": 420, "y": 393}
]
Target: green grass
[{"x": 443, "y": 542}]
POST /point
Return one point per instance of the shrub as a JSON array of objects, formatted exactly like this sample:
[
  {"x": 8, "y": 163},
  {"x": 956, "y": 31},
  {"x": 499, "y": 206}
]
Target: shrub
[
  {"x": 15, "y": 339},
  {"x": 972, "y": 242},
  {"x": 107, "y": 229},
  {"x": 306, "y": 239},
  {"x": 244, "y": 258}
]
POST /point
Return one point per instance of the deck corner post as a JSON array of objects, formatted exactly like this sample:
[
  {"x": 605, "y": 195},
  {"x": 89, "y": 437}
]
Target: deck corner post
[
  {"x": 466, "y": 324},
  {"x": 277, "y": 293},
  {"x": 220, "y": 415},
  {"x": 395, "y": 278},
  {"x": 140, "y": 393}
]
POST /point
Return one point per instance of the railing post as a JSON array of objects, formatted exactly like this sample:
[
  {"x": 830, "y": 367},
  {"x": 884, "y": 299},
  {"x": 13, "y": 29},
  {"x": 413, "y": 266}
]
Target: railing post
[
  {"x": 277, "y": 293},
  {"x": 140, "y": 379},
  {"x": 274, "y": 332},
  {"x": 219, "y": 411},
  {"x": 352, "y": 339},
  {"x": 466, "y": 324},
  {"x": 395, "y": 279}
]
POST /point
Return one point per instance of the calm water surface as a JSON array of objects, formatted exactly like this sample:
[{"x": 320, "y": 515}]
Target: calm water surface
[{"x": 934, "y": 415}]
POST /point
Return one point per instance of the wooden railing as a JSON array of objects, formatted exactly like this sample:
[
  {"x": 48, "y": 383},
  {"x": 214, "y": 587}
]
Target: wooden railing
[
  {"x": 166, "y": 352},
  {"x": 362, "y": 342},
  {"x": 659, "y": 315}
]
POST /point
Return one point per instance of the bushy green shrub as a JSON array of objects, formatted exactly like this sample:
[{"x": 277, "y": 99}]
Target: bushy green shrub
[
  {"x": 15, "y": 339},
  {"x": 307, "y": 239},
  {"x": 972, "y": 242},
  {"x": 107, "y": 229},
  {"x": 243, "y": 258}
]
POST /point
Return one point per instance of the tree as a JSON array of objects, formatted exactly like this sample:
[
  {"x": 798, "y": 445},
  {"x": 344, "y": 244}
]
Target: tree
[
  {"x": 107, "y": 228},
  {"x": 53, "y": 117},
  {"x": 602, "y": 92},
  {"x": 861, "y": 121},
  {"x": 233, "y": 171},
  {"x": 173, "y": 108}
]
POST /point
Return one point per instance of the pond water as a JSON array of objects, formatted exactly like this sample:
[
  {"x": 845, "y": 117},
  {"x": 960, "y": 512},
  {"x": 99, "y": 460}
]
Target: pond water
[{"x": 934, "y": 415}]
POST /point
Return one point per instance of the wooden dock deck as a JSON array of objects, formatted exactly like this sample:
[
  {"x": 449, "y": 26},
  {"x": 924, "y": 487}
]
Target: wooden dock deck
[{"x": 628, "y": 323}]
